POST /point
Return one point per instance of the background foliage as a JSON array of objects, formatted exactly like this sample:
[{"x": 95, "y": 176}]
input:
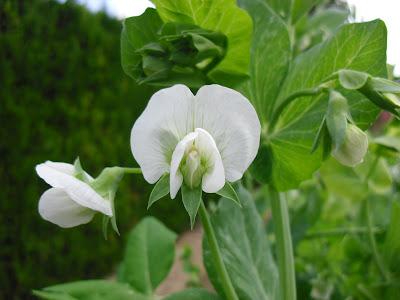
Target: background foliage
[{"x": 63, "y": 93}]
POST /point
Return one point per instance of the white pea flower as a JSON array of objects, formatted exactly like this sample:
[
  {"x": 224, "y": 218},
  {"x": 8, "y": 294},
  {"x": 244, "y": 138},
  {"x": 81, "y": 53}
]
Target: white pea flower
[
  {"x": 71, "y": 201},
  {"x": 204, "y": 139}
]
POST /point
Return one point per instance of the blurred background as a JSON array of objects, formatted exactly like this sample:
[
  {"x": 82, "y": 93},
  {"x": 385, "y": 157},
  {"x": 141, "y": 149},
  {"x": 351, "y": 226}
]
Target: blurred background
[{"x": 63, "y": 93}]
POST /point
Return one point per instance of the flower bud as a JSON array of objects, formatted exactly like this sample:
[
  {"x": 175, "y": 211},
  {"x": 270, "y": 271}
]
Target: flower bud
[
  {"x": 192, "y": 169},
  {"x": 354, "y": 147}
]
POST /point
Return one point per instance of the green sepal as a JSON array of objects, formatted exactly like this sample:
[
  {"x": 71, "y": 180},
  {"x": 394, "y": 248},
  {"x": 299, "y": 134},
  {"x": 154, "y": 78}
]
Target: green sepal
[
  {"x": 319, "y": 136},
  {"x": 79, "y": 173},
  {"x": 191, "y": 199},
  {"x": 229, "y": 192},
  {"x": 352, "y": 80},
  {"x": 337, "y": 116},
  {"x": 105, "y": 222},
  {"x": 160, "y": 190}
]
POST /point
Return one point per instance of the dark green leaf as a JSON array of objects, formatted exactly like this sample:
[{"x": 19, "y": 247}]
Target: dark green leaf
[
  {"x": 270, "y": 55},
  {"x": 193, "y": 294},
  {"x": 220, "y": 16},
  {"x": 229, "y": 192},
  {"x": 261, "y": 168},
  {"x": 160, "y": 190},
  {"x": 360, "y": 47},
  {"x": 191, "y": 200},
  {"x": 245, "y": 250},
  {"x": 148, "y": 256}
]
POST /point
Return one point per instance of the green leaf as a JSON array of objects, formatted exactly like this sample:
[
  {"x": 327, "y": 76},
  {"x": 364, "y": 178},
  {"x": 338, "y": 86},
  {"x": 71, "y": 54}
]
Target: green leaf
[
  {"x": 148, "y": 256},
  {"x": 221, "y": 16},
  {"x": 136, "y": 33},
  {"x": 352, "y": 80},
  {"x": 160, "y": 190},
  {"x": 302, "y": 7},
  {"x": 261, "y": 168},
  {"x": 270, "y": 55},
  {"x": 359, "y": 47},
  {"x": 229, "y": 192},
  {"x": 193, "y": 294},
  {"x": 90, "y": 290},
  {"x": 282, "y": 7},
  {"x": 245, "y": 250},
  {"x": 191, "y": 200}
]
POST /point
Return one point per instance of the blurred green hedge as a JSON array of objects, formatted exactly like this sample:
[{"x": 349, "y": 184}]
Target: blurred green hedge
[{"x": 63, "y": 94}]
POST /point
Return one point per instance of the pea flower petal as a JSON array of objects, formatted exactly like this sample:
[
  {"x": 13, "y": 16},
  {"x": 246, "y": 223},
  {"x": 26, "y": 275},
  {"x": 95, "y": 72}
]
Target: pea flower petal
[
  {"x": 218, "y": 122},
  {"x": 70, "y": 197},
  {"x": 56, "y": 206}
]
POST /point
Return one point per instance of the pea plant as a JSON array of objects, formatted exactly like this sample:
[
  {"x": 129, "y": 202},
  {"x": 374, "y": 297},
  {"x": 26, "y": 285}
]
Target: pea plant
[{"x": 280, "y": 108}]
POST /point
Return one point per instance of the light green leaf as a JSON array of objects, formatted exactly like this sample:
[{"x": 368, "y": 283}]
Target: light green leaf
[
  {"x": 160, "y": 190},
  {"x": 245, "y": 250},
  {"x": 191, "y": 200},
  {"x": 220, "y": 16},
  {"x": 193, "y": 294},
  {"x": 270, "y": 55},
  {"x": 229, "y": 192},
  {"x": 359, "y": 47},
  {"x": 90, "y": 290},
  {"x": 148, "y": 256}
]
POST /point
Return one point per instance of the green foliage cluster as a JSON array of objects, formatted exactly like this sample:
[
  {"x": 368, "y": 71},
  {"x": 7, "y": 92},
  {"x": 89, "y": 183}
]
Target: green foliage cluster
[{"x": 63, "y": 93}]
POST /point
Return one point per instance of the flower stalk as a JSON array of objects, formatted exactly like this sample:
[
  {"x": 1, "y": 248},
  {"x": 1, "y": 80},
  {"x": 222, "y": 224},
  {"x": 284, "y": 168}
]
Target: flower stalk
[
  {"x": 284, "y": 247},
  {"x": 226, "y": 282}
]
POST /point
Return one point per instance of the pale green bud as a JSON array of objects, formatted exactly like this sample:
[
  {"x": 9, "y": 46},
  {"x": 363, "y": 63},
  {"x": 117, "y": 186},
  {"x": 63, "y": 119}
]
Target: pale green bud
[
  {"x": 354, "y": 147},
  {"x": 192, "y": 169}
]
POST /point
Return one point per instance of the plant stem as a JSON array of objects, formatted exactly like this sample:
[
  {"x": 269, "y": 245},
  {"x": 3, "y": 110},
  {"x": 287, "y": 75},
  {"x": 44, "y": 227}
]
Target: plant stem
[
  {"x": 132, "y": 170},
  {"x": 290, "y": 99},
  {"x": 216, "y": 253},
  {"x": 280, "y": 217},
  {"x": 341, "y": 231}
]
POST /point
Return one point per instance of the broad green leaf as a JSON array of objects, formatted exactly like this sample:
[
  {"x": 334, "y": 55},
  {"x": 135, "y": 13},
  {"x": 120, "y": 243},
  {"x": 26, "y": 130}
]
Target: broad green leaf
[
  {"x": 282, "y": 7},
  {"x": 360, "y": 47},
  {"x": 90, "y": 290},
  {"x": 193, "y": 294},
  {"x": 136, "y": 33},
  {"x": 302, "y": 7},
  {"x": 160, "y": 190},
  {"x": 245, "y": 250},
  {"x": 261, "y": 168},
  {"x": 148, "y": 256},
  {"x": 229, "y": 192},
  {"x": 270, "y": 55},
  {"x": 220, "y": 16},
  {"x": 191, "y": 200}
]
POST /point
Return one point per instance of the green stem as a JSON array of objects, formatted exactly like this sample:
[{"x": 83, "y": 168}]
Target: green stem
[
  {"x": 132, "y": 170},
  {"x": 341, "y": 231},
  {"x": 216, "y": 253},
  {"x": 284, "y": 247},
  {"x": 290, "y": 99}
]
